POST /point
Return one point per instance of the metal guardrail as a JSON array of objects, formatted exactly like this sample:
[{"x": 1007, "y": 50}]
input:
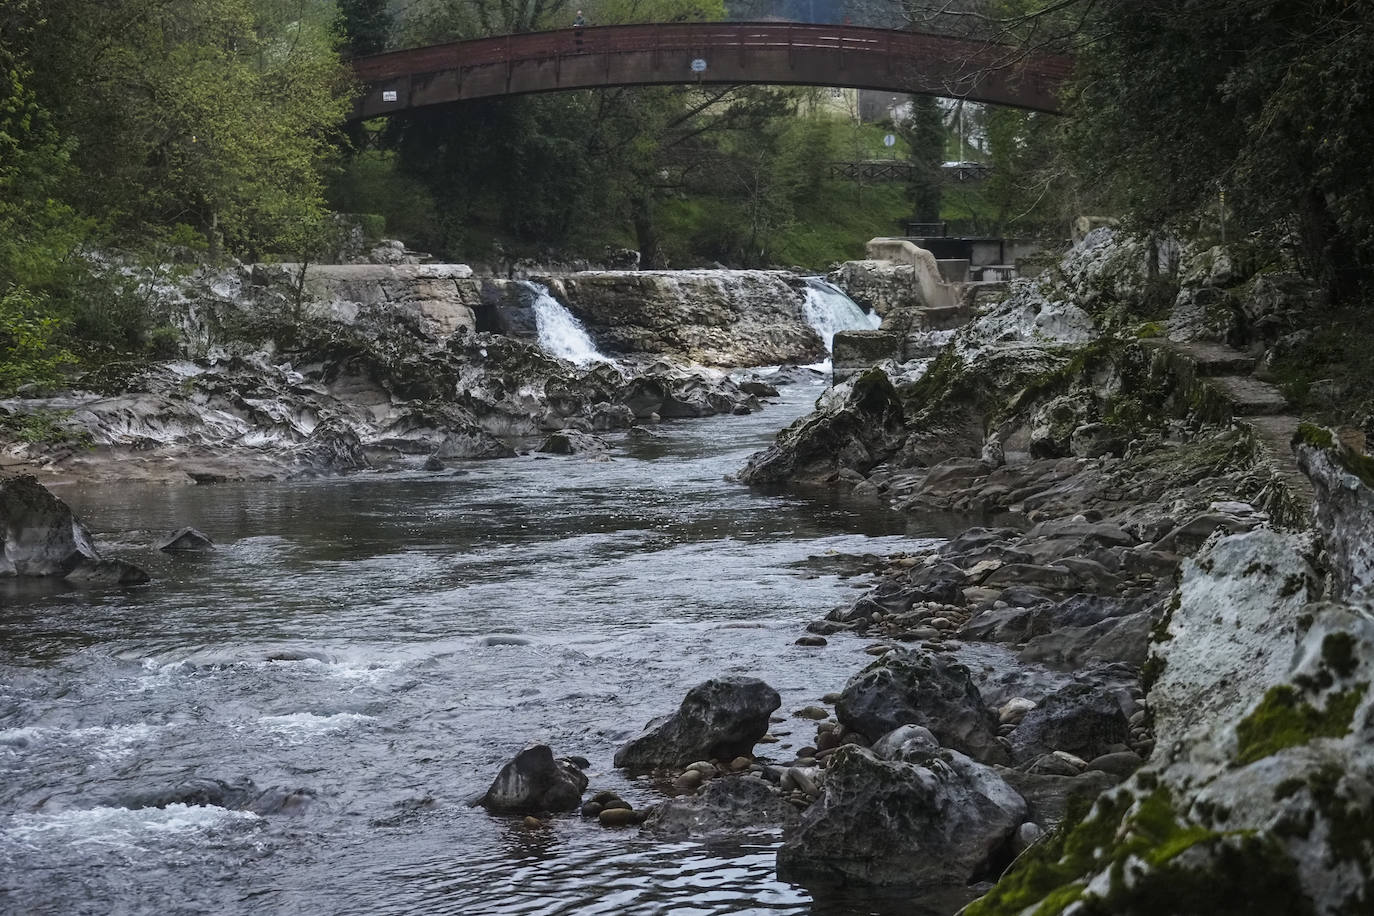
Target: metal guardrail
[{"x": 899, "y": 49}]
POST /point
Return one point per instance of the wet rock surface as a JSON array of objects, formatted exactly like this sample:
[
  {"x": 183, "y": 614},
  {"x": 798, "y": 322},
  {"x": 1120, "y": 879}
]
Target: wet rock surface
[
  {"x": 929, "y": 819},
  {"x": 379, "y": 363},
  {"x": 727, "y": 806},
  {"x": 921, "y": 688},
  {"x": 720, "y": 718},
  {"x": 534, "y": 781},
  {"x": 40, "y": 536}
]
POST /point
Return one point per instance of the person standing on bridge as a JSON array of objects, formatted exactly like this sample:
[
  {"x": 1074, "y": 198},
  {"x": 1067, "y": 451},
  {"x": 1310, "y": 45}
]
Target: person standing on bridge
[{"x": 579, "y": 22}]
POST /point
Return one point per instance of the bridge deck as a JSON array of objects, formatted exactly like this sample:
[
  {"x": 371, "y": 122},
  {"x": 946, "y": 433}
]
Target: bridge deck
[{"x": 730, "y": 52}]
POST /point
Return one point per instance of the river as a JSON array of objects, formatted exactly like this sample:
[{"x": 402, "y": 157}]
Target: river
[{"x": 386, "y": 642}]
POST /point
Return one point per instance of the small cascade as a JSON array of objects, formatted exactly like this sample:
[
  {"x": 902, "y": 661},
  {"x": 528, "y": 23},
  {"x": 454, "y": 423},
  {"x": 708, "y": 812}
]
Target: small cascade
[
  {"x": 827, "y": 309},
  {"x": 560, "y": 333}
]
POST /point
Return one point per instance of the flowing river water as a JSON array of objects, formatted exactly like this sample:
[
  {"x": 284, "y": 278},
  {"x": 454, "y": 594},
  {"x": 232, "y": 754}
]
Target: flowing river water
[{"x": 386, "y": 642}]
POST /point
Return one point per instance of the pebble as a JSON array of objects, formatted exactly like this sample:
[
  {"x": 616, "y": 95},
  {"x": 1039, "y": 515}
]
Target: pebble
[
  {"x": 1014, "y": 710},
  {"x": 619, "y": 817},
  {"x": 705, "y": 768},
  {"x": 1122, "y": 763},
  {"x": 812, "y": 640},
  {"x": 690, "y": 779},
  {"x": 878, "y": 650},
  {"x": 768, "y": 739},
  {"x": 804, "y": 779},
  {"x": 532, "y": 822},
  {"x": 830, "y": 699},
  {"x": 740, "y": 764},
  {"x": 812, "y": 712},
  {"x": 1077, "y": 763},
  {"x": 1026, "y": 834}
]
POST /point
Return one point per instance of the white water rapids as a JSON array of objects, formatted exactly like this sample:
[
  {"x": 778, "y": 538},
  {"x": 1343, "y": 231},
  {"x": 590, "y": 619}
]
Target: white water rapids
[
  {"x": 560, "y": 333},
  {"x": 827, "y": 309}
]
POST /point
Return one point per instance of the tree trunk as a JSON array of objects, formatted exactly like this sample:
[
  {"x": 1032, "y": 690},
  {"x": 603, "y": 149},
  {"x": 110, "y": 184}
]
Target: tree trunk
[{"x": 645, "y": 235}]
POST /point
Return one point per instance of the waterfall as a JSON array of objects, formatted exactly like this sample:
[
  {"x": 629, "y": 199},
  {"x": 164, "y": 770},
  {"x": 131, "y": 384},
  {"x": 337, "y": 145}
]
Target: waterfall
[
  {"x": 560, "y": 333},
  {"x": 827, "y": 309}
]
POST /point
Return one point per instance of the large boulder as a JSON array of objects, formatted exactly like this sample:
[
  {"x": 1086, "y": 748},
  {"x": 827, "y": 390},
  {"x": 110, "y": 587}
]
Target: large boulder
[
  {"x": 1080, "y": 719},
  {"x": 719, "y": 719},
  {"x": 915, "y": 687},
  {"x": 934, "y": 818},
  {"x": 1343, "y": 487},
  {"x": 334, "y": 447},
  {"x": 41, "y": 536},
  {"x": 729, "y": 805},
  {"x": 535, "y": 782},
  {"x": 858, "y": 427}
]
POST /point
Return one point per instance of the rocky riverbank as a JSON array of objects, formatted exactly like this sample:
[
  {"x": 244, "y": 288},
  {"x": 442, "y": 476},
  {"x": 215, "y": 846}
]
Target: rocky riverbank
[
  {"x": 1183, "y": 620},
  {"x": 285, "y": 372}
]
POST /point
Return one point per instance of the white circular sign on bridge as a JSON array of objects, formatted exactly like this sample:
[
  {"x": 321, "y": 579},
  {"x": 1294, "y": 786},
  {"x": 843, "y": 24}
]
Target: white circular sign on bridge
[
  {"x": 889, "y": 140},
  {"x": 698, "y": 65}
]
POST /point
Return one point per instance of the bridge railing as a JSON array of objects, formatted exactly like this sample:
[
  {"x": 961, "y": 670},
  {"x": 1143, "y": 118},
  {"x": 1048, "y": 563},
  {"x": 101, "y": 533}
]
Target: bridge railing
[{"x": 705, "y": 37}]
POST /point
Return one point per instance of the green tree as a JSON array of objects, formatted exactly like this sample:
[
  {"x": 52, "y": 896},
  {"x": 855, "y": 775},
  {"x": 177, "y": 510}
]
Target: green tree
[
  {"x": 216, "y": 113},
  {"x": 1271, "y": 101},
  {"x": 366, "y": 25},
  {"x": 924, "y": 133}
]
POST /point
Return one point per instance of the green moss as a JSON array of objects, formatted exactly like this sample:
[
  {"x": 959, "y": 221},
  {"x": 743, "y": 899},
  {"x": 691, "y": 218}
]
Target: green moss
[
  {"x": 1059, "y": 898},
  {"x": 1313, "y": 435},
  {"x": 1283, "y": 719},
  {"x": 1236, "y": 872},
  {"x": 1149, "y": 329},
  {"x": 1151, "y": 671}
]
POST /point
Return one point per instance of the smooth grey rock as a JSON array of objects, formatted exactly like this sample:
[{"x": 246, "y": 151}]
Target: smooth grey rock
[
  {"x": 938, "y": 819},
  {"x": 94, "y": 573},
  {"x": 186, "y": 539},
  {"x": 719, "y": 719},
  {"x": 909, "y": 740},
  {"x": 534, "y": 782},
  {"x": 39, "y": 534}
]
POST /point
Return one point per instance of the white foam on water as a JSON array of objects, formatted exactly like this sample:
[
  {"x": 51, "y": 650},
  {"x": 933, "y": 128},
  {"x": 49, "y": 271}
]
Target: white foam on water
[
  {"x": 110, "y": 742},
  {"x": 309, "y": 723},
  {"x": 827, "y": 309},
  {"x": 123, "y": 827},
  {"x": 560, "y": 333}
]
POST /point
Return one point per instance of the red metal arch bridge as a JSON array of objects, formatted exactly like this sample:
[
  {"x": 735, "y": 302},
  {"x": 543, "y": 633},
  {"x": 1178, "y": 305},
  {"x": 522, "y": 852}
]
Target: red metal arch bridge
[{"x": 771, "y": 53}]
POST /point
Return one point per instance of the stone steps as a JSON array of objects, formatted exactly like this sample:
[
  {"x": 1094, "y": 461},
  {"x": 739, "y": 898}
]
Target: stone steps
[
  {"x": 1220, "y": 387},
  {"x": 1211, "y": 359},
  {"x": 1248, "y": 396}
]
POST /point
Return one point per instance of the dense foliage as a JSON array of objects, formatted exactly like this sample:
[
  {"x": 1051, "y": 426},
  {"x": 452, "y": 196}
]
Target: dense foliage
[
  {"x": 137, "y": 132},
  {"x": 1267, "y": 102}
]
